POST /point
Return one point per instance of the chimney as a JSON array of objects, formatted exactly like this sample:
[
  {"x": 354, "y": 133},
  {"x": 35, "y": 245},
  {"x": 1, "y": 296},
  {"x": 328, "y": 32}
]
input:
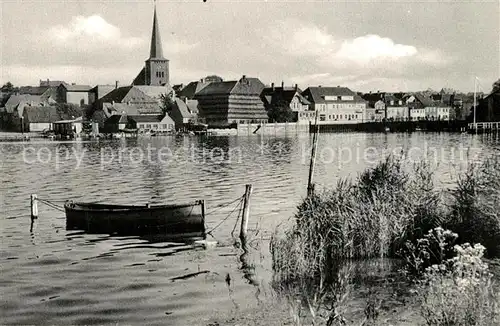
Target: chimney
[
  {"x": 116, "y": 84},
  {"x": 282, "y": 84},
  {"x": 201, "y": 80},
  {"x": 296, "y": 87},
  {"x": 272, "y": 86},
  {"x": 244, "y": 77}
]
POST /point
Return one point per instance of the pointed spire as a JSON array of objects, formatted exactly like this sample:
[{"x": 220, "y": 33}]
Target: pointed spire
[{"x": 156, "y": 51}]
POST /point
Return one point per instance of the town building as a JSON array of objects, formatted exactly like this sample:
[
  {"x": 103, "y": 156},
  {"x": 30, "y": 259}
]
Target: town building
[
  {"x": 396, "y": 107},
  {"x": 73, "y": 94},
  {"x": 222, "y": 104},
  {"x": 488, "y": 109},
  {"x": 39, "y": 118},
  {"x": 156, "y": 69},
  {"x": 182, "y": 114},
  {"x": 422, "y": 107},
  {"x": 68, "y": 128},
  {"x": 291, "y": 97},
  {"x": 157, "y": 123},
  {"x": 51, "y": 83},
  {"x": 336, "y": 105},
  {"x": 99, "y": 91}
]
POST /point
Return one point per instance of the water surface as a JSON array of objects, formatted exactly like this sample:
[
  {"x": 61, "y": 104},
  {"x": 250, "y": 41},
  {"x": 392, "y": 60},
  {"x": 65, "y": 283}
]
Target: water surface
[{"x": 52, "y": 276}]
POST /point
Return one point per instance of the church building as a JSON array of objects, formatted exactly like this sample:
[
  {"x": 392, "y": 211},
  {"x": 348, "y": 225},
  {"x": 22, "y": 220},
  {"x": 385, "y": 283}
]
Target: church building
[{"x": 156, "y": 68}]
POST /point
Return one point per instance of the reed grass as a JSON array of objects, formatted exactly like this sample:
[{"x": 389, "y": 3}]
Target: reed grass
[{"x": 376, "y": 215}]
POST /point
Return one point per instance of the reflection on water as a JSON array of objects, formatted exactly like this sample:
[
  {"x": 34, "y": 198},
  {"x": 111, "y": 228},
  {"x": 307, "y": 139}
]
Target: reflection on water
[{"x": 53, "y": 276}]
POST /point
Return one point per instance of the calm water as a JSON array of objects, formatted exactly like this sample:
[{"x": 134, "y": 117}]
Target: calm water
[{"x": 52, "y": 276}]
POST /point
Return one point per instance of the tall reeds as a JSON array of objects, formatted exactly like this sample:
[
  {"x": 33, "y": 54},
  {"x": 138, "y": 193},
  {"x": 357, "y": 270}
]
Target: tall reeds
[{"x": 376, "y": 215}]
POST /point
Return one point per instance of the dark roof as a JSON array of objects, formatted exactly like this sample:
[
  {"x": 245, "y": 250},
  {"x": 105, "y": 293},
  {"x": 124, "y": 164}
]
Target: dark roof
[
  {"x": 147, "y": 118},
  {"x": 244, "y": 86},
  {"x": 317, "y": 94},
  {"x": 33, "y": 90},
  {"x": 41, "y": 114},
  {"x": 423, "y": 99},
  {"x": 217, "y": 88},
  {"x": 77, "y": 88},
  {"x": 268, "y": 95},
  {"x": 52, "y": 83},
  {"x": 192, "y": 89},
  {"x": 116, "y": 95},
  {"x": 140, "y": 79},
  {"x": 116, "y": 119}
]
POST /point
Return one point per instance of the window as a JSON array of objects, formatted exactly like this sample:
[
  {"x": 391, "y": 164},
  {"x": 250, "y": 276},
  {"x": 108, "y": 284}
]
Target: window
[
  {"x": 148, "y": 126},
  {"x": 322, "y": 117}
]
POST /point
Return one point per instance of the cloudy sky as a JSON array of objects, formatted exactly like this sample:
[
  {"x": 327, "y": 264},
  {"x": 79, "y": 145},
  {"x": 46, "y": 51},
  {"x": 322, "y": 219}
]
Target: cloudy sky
[{"x": 365, "y": 45}]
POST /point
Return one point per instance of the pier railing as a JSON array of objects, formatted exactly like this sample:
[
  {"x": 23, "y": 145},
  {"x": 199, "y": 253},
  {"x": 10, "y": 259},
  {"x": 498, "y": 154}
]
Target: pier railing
[{"x": 483, "y": 127}]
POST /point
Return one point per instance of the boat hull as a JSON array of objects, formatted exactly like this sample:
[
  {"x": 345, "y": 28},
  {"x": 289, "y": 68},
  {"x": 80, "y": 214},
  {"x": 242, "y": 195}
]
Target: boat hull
[{"x": 182, "y": 220}]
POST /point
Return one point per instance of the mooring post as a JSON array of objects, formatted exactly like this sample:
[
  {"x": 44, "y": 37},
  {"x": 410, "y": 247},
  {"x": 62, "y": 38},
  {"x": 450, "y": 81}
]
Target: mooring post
[
  {"x": 246, "y": 212},
  {"x": 34, "y": 207},
  {"x": 310, "y": 186}
]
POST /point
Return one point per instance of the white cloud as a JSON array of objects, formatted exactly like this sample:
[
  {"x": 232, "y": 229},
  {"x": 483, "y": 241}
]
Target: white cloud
[
  {"x": 370, "y": 51},
  {"x": 90, "y": 33},
  {"x": 367, "y": 48}
]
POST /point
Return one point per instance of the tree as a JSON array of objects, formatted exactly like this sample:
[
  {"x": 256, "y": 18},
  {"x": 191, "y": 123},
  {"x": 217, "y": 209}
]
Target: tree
[
  {"x": 8, "y": 87},
  {"x": 496, "y": 86},
  {"x": 167, "y": 102},
  {"x": 280, "y": 111}
]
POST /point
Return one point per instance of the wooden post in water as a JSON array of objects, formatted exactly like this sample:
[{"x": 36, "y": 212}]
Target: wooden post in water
[
  {"x": 246, "y": 213},
  {"x": 34, "y": 207},
  {"x": 310, "y": 185}
]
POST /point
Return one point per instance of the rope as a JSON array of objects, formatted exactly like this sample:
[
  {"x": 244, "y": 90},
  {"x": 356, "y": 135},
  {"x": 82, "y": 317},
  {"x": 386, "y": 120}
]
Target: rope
[
  {"x": 50, "y": 204},
  {"x": 220, "y": 206},
  {"x": 228, "y": 215},
  {"x": 237, "y": 219}
]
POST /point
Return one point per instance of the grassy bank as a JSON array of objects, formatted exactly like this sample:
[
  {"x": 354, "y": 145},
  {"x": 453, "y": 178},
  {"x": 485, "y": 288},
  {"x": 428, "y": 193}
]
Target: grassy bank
[{"x": 390, "y": 212}]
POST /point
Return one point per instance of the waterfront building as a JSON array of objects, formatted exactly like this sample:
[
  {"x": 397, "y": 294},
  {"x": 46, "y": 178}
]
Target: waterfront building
[
  {"x": 290, "y": 96},
  {"x": 336, "y": 105},
  {"x": 72, "y": 127},
  {"x": 182, "y": 114},
  {"x": 156, "y": 71},
  {"x": 396, "y": 107},
  {"x": 375, "y": 106},
  {"x": 488, "y": 109},
  {"x": 222, "y": 104},
  {"x": 157, "y": 123},
  {"x": 40, "y": 118}
]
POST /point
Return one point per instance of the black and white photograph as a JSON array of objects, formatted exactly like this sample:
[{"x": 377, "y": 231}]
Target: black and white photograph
[{"x": 250, "y": 162}]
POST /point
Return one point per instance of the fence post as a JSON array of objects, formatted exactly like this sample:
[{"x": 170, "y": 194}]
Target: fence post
[
  {"x": 34, "y": 207},
  {"x": 246, "y": 212},
  {"x": 310, "y": 185}
]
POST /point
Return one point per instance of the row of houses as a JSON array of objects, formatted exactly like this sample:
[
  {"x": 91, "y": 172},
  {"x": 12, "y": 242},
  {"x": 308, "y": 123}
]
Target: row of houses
[{"x": 221, "y": 103}]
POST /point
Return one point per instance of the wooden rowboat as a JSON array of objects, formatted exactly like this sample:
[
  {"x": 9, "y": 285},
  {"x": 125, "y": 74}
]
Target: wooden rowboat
[{"x": 185, "y": 220}]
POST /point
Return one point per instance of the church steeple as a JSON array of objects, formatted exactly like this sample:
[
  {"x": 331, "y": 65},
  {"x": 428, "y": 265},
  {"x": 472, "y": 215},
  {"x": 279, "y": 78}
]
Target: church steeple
[
  {"x": 156, "y": 71},
  {"x": 156, "y": 51}
]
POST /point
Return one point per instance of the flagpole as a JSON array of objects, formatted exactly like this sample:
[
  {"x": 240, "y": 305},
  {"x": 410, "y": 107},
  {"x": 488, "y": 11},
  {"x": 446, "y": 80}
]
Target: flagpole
[{"x": 475, "y": 83}]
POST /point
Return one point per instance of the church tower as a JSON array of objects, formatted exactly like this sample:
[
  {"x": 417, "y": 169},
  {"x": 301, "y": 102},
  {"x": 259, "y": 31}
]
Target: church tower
[{"x": 156, "y": 70}]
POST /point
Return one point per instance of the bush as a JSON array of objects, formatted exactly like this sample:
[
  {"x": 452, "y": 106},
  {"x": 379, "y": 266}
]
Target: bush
[
  {"x": 460, "y": 291},
  {"x": 435, "y": 248}
]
